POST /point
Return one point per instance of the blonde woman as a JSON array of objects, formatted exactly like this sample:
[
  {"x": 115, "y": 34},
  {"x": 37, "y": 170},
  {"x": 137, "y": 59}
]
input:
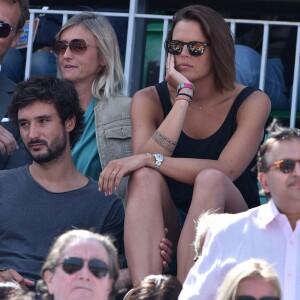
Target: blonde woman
[
  {"x": 88, "y": 54},
  {"x": 253, "y": 279}
]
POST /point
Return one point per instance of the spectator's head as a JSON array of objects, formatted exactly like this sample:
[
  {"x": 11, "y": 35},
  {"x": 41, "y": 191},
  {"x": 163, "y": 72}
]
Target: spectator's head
[
  {"x": 205, "y": 221},
  {"x": 156, "y": 287},
  {"x": 254, "y": 278},
  {"x": 216, "y": 33},
  {"x": 47, "y": 94},
  {"x": 278, "y": 163},
  {"x": 11, "y": 290},
  {"x": 13, "y": 14},
  {"x": 80, "y": 265},
  {"x": 88, "y": 53},
  {"x": 8, "y": 287}
]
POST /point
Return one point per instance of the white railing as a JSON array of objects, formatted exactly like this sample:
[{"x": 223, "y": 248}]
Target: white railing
[{"x": 132, "y": 40}]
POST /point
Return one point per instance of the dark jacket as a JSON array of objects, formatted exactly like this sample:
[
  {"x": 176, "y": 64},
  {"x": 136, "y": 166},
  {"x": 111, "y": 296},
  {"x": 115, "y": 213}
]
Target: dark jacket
[{"x": 20, "y": 157}]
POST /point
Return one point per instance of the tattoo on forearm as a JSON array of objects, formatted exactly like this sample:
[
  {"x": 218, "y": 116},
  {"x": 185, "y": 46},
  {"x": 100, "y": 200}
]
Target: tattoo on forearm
[{"x": 164, "y": 141}]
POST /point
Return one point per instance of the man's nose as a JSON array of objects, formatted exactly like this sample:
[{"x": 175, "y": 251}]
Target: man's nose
[{"x": 33, "y": 131}]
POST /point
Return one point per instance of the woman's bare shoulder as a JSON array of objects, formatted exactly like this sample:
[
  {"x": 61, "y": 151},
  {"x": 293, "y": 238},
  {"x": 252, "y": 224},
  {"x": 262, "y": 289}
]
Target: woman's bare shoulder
[
  {"x": 256, "y": 107},
  {"x": 149, "y": 94}
]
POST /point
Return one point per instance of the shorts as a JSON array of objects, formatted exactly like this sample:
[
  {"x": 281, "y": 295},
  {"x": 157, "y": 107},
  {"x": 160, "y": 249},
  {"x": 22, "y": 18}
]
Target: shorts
[{"x": 182, "y": 217}]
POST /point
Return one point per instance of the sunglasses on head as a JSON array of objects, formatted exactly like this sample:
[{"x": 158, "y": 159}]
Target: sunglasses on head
[
  {"x": 77, "y": 46},
  {"x": 195, "y": 48},
  {"x": 285, "y": 166},
  {"x": 5, "y": 29},
  {"x": 253, "y": 298},
  {"x": 97, "y": 267}
]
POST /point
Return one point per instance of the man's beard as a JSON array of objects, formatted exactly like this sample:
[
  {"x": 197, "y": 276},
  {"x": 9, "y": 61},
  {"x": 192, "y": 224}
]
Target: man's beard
[{"x": 54, "y": 151}]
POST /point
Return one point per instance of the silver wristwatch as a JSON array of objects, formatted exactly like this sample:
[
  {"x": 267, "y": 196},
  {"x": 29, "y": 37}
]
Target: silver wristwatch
[{"x": 159, "y": 158}]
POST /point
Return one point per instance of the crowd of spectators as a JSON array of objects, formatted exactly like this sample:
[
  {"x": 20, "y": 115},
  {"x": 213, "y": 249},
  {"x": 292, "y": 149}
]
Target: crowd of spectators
[{"x": 100, "y": 193}]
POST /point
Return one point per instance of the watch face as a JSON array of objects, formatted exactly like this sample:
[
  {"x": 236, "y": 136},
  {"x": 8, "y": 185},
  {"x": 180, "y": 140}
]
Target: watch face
[{"x": 159, "y": 157}]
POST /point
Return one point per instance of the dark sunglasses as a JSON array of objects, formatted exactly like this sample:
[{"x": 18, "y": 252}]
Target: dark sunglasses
[
  {"x": 252, "y": 298},
  {"x": 77, "y": 46},
  {"x": 5, "y": 29},
  {"x": 97, "y": 267},
  {"x": 285, "y": 166},
  {"x": 195, "y": 48}
]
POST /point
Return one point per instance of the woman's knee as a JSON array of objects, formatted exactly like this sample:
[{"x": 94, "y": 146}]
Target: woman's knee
[
  {"x": 144, "y": 182},
  {"x": 145, "y": 176},
  {"x": 211, "y": 178}
]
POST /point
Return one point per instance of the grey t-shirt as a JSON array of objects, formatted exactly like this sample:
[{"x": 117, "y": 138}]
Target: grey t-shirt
[{"x": 31, "y": 217}]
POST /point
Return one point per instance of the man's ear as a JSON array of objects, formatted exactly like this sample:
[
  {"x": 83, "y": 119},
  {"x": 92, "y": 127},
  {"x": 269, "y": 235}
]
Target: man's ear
[
  {"x": 263, "y": 180},
  {"x": 70, "y": 123},
  {"x": 48, "y": 276}
]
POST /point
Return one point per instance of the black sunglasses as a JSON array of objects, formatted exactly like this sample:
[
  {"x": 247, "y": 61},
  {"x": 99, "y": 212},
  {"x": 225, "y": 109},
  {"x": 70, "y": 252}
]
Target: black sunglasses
[
  {"x": 5, "y": 29},
  {"x": 285, "y": 166},
  {"x": 77, "y": 46},
  {"x": 97, "y": 267},
  {"x": 195, "y": 48},
  {"x": 252, "y": 298}
]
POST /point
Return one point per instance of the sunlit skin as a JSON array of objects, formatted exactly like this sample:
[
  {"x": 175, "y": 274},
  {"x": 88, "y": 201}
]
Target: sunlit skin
[
  {"x": 9, "y": 13},
  {"x": 199, "y": 119},
  {"x": 42, "y": 132},
  {"x": 81, "y": 69},
  {"x": 82, "y": 284},
  {"x": 256, "y": 287},
  {"x": 285, "y": 187},
  {"x": 193, "y": 67}
]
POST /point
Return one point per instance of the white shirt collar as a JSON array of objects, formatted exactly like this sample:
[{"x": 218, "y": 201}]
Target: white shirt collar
[{"x": 267, "y": 213}]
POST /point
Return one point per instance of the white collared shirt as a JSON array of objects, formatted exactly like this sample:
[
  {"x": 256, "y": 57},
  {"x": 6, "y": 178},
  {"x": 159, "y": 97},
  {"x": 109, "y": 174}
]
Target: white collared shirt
[{"x": 261, "y": 232}]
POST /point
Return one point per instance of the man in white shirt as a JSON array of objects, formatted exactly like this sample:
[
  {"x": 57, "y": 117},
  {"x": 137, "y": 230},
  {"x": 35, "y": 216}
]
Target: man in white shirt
[
  {"x": 13, "y": 14},
  {"x": 270, "y": 232}
]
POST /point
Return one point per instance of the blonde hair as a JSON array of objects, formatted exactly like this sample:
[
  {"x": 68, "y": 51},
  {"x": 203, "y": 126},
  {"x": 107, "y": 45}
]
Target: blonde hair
[
  {"x": 110, "y": 80},
  {"x": 252, "y": 268},
  {"x": 205, "y": 221}
]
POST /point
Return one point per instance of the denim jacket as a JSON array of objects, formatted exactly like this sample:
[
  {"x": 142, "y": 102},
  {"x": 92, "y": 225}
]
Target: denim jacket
[{"x": 113, "y": 133}]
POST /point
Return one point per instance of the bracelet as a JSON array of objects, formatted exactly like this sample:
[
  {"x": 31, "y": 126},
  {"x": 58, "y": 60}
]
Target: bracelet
[
  {"x": 148, "y": 164},
  {"x": 184, "y": 94},
  {"x": 185, "y": 85},
  {"x": 185, "y": 99}
]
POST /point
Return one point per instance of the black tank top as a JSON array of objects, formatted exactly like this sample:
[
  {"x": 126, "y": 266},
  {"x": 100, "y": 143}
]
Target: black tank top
[{"x": 209, "y": 148}]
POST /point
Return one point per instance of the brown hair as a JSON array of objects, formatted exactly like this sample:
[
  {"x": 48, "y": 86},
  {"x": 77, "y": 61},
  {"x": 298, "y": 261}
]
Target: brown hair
[
  {"x": 156, "y": 287},
  {"x": 220, "y": 38}
]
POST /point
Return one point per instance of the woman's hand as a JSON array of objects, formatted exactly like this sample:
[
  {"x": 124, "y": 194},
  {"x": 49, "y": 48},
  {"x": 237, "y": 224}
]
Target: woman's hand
[
  {"x": 113, "y": 173},
  {"x": 173, "y": 77}
]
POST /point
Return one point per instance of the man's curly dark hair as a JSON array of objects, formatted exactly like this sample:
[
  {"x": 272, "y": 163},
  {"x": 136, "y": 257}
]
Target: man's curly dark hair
[{"x": 60, "y": 92}]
